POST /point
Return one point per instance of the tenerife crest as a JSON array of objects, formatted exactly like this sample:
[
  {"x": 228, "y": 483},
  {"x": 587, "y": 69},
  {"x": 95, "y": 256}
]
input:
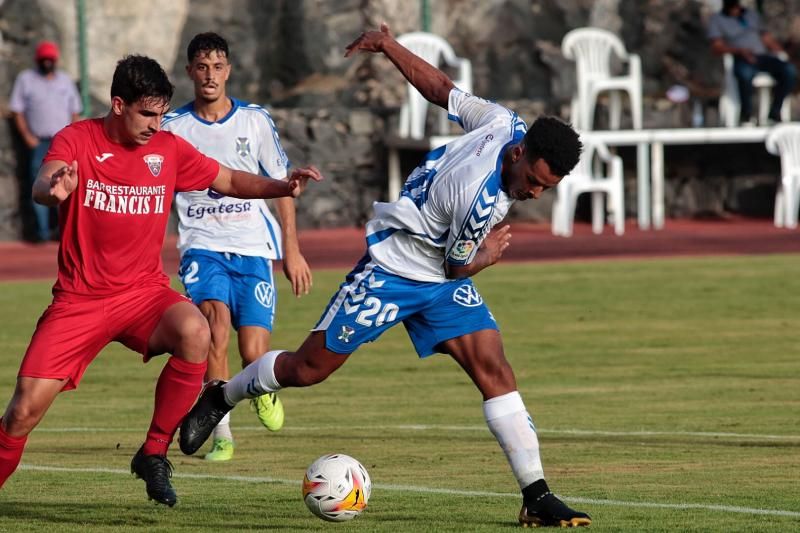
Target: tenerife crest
[
  {"x": 243, "y": 146},
  {"x": 154, "y": 162},
  {"x": 346, "y": 333}
]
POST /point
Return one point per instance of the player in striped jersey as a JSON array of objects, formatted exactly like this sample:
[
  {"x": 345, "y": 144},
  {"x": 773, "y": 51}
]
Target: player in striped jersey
[
  {"x": 227, "y": 245},
  {"x": 422, "y": 251}
]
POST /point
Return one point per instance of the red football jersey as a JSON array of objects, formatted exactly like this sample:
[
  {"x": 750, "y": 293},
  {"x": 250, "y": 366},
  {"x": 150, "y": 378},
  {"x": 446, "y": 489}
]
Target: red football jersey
[{"x": 113, "y": 224}]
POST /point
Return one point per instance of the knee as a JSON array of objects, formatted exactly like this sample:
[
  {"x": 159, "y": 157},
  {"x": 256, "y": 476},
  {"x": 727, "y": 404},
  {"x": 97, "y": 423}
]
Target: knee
[
  {"x": 21, "y": 417},
  {"x": 249, "y": 354},
  {"x": 194, "y": 337}
]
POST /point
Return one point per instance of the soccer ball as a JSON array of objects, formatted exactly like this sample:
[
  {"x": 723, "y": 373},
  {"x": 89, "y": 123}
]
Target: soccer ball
[{"x": 336, "y": 487}]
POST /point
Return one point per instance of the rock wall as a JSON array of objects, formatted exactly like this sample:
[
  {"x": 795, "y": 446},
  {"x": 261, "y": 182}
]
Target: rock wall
[{"x": 334, "y": 112}]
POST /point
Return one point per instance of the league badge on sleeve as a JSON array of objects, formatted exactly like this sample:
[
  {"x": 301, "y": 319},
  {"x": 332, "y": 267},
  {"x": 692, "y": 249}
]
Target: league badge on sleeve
[
  {"x": 462, "y": 249},
  {"x": 154, "y": 163}
]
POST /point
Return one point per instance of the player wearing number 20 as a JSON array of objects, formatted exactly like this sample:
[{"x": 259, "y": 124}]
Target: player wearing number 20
[{"x": 422, "y": 251}]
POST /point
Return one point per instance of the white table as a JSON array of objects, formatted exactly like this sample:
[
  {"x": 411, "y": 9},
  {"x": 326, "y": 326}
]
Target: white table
[
  {"x": 652, "y": 190},
  {"x": 649, "y": 158}
]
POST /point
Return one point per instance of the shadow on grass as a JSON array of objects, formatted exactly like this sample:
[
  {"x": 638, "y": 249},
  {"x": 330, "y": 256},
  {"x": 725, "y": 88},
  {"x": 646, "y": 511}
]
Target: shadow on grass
[
  {"x": 91, "y": 514},
  {"x": 101, "y": 516},
  {"x": 682, "y": 441}
]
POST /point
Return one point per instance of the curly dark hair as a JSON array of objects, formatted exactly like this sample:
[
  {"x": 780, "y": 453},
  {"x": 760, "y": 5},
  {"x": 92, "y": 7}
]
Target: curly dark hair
[
  {"x": 137, "y": 77},
  {"x": 206, "y": 43},
  {"x": 554, "y": 141}
]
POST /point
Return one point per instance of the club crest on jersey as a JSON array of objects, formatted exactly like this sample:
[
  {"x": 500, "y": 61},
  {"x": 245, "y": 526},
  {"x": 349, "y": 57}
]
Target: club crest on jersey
[
  {"x": 462, "y": 249},
  {"x": 154, "y": 163},
  {"x": 243, "y": 146}
]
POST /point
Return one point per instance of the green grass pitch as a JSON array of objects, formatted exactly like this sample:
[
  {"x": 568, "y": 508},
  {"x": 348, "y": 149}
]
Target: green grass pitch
[{"x": 666, "y": 394}]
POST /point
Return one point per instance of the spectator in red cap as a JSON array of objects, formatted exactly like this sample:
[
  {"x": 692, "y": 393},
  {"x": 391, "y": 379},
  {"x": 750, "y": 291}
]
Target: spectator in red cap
[{"x": 43, "y": 101}]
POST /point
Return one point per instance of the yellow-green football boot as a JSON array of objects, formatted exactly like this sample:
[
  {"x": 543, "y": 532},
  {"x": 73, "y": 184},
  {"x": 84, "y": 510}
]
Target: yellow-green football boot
[
  {"x": 269, "y": 409},
  {"x": 222, "y": 450}
]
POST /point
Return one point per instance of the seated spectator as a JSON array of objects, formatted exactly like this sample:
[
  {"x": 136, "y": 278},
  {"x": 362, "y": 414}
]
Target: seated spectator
[{"x": 738, "y": 31}]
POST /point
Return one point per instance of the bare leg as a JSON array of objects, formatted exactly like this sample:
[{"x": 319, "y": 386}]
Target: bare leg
[
  {"x": 481, "y": 356},
  {"x": 312, "y": 363},
  {"x": 253, "y": 343},
  {"x": 183, "y": 332},
  {"x": 31, "y": 400},
  {"x": 219, "y": 322},
  {"x": 32, "y": 397}
]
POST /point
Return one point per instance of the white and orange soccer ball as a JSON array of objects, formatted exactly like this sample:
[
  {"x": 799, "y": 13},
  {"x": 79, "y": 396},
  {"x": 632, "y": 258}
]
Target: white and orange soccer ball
[{"x": 336, "y": 487}]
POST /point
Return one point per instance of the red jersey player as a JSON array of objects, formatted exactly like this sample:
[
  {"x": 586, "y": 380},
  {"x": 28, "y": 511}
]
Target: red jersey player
[{"x": 113, "y": 179}]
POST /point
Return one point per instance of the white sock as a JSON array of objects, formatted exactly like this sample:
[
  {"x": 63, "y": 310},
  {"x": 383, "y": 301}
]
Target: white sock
[
  {"x": 255, "y": 379},
  {"x": 223, "y": 429},
  {"x": 513, "y": 428}
]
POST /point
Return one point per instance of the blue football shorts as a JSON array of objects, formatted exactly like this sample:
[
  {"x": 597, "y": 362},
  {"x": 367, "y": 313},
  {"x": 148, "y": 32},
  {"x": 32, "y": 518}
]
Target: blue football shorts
[
  {"x": 371, "y": 300},
  {"x": 243, "y": 283}
]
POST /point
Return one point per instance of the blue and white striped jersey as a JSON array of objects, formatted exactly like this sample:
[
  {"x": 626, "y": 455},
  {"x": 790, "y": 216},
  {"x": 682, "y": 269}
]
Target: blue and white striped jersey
[
  {"x": 245, "y": 139},
  {"x": 452, "y": 199}
]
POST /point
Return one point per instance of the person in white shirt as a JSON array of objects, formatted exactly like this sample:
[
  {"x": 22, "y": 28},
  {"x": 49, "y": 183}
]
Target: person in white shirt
[
  {"x": 227, "y": 245},
  {"x": 43, "y": 101},
  {"x": 422, "y": 250}
]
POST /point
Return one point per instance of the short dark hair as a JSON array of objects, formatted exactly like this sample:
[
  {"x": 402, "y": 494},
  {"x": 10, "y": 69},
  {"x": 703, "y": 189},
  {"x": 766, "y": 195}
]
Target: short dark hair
[
  {"x": 727, "y": 5},
  {"x": 137, "y": 77},
  {"x": 206, "y": 42},
  {"x": 554, "y": 141}
]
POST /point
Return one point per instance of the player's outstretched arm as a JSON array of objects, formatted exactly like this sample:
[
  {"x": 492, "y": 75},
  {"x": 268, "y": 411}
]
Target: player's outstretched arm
[
  {"x": 489, "y": 253},
  {"x": 240, "y": 184},
  {"x": 55, "y": 182},
  {"x": 431, "y": 82}
]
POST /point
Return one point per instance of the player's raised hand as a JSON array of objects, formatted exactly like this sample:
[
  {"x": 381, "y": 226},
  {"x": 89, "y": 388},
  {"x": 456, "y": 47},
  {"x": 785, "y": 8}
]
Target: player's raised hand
[
  {"x": 496, "y": 243},
  {"x": 370, "y": 41},
  {"x": 299, "y": 179},
  {"x": 64, "y": 181}
]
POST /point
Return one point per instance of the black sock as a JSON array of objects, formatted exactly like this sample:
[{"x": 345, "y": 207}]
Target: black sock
[{"x": 534, "y": 491}]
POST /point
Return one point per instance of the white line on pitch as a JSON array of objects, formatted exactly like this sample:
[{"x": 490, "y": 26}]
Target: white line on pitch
[
  {"x": 433, "y": 490},
  {"x": 433, "y": 427}
]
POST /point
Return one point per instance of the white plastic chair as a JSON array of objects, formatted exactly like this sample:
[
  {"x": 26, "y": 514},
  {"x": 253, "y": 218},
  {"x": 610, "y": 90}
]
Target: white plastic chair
[
  {"x": 784, "y": 140},
  {"x": 730, "y": 103},
  {"x": 435, "y": 51},
  {"x": 588, "y": 176},
  {"x": 591, "y": 50}
]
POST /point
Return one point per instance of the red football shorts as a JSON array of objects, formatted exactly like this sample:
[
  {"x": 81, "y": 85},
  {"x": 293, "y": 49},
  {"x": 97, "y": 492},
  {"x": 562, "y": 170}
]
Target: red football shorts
[{"x": 71, "y": 332}]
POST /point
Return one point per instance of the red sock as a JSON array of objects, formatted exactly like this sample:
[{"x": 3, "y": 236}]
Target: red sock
[
  {"x": 10, "y": 453},
  {"x": 177, "y": 389}
]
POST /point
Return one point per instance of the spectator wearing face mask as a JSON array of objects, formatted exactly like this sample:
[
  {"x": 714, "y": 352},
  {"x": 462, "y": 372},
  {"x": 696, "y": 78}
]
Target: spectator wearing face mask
[{"x": 44, "y": 100}]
